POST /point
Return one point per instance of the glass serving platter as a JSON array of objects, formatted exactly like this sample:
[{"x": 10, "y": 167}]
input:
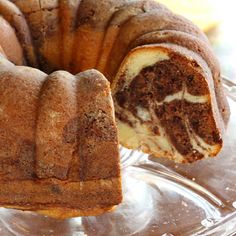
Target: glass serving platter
[{"x": 160, "y": 198}]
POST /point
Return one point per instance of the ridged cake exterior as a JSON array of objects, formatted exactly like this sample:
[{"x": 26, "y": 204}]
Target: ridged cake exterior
[{"x": 52, "y": 142}]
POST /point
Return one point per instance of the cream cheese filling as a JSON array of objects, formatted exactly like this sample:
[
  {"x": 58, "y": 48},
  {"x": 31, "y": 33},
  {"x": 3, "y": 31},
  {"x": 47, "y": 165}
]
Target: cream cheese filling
[
  {"x": 183, "y": 94},
  {"x": 141, "y": 137},
  {"x": 198, "y": 143},
  {"x": 136, "y": 61}
]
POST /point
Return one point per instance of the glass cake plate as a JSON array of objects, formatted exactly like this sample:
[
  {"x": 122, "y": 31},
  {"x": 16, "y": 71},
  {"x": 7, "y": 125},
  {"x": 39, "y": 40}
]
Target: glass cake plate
[{"x": 160, "y": 198}]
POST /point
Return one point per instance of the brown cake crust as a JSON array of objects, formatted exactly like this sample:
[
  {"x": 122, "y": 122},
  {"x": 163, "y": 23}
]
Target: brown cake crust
[
  {"x": 17, "y": 20},
  {"x": 52, "y": 43},
  {"x": 61, "y": 199},
  {"x": 68, "y": 10},
  {"x": 43, "y": 19},
  {"x": 10, "y": 43},
  {"x": 91, "y": 23},
  {"x": 50, "y": 158},
  {"x": 57, "y": 106}
]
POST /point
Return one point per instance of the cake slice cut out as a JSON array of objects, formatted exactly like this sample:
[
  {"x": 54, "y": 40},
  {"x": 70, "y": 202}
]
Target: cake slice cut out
[{"x": 166, "y": 104}]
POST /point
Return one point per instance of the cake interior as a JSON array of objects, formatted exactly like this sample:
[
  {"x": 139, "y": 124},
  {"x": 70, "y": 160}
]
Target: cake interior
[{"x": 165, "y": 108}]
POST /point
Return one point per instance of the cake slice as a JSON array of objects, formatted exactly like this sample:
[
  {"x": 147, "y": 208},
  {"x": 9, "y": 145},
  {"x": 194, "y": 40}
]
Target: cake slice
[
  {"x": 198, "y": 46},
  {"x": 166, "y": 104},
  {"x": 58, "y": 147}
]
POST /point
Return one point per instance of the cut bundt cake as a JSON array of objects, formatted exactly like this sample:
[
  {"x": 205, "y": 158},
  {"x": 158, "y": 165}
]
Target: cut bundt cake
[
  {"x": 58, "y": 135},
  {"x": 58, "y": 142}
]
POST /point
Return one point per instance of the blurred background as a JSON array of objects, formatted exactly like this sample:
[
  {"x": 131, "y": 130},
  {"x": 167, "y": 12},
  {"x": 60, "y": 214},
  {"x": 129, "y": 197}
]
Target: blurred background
[{"x": 218, "y": 19}]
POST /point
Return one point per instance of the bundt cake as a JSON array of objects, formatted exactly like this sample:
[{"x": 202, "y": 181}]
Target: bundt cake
[{"x": 58, "y": 138}]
